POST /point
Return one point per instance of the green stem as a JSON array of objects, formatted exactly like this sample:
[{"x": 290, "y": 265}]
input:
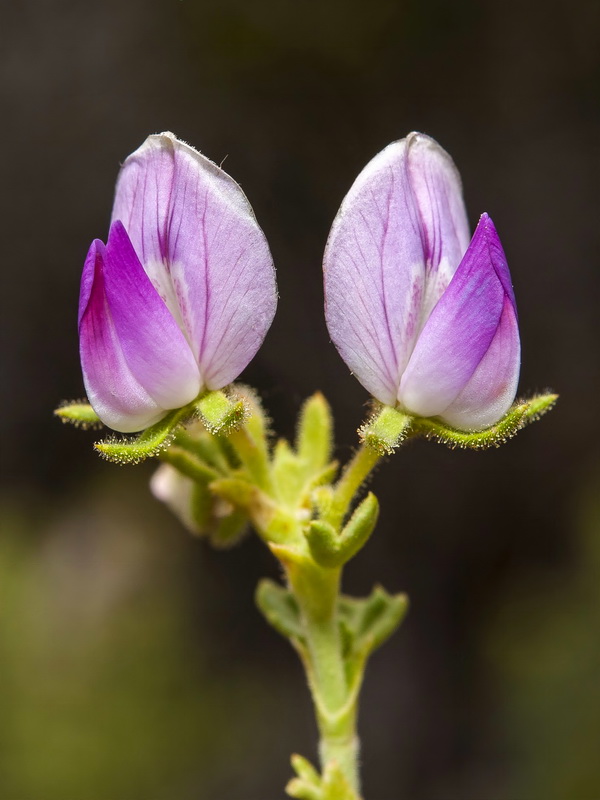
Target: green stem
[
  {"x": 317, "y": 593},
  {"x": 355, "y": 472}
]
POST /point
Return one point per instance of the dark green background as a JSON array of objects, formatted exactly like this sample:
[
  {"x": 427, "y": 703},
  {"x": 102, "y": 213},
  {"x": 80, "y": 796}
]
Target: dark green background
[{"x": 133, "y": 664}]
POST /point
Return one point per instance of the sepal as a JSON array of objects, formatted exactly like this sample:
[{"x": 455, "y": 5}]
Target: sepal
[
  {"x": 220, "y": 413},
  {"x": 332, "y": 549},
  {"x": 385, "y": 430},
  {"x": 151, "y": 442},
  {"x": 520, "y": 415},
  {"x": 78, "y": 413}
]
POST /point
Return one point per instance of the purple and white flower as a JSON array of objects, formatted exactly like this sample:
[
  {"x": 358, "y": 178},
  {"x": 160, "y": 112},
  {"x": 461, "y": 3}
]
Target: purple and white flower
[
  {"x": 181, "y": 296},
  {"x": 424, "y": 318}
]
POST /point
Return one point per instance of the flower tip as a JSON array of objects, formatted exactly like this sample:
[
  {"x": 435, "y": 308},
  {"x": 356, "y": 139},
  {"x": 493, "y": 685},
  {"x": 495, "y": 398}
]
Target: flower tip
[
  {"x": 116, "y": 230},
  {"x": 94, "y": 254}
]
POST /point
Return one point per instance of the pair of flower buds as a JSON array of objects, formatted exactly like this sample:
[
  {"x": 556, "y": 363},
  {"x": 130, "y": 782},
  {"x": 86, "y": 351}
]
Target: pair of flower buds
[{"x": 182, "y": 295}]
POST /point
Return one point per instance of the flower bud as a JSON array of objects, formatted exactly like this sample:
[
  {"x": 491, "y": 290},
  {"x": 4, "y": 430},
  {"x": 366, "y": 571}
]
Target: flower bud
[
  {"x": 425, "y": 319},
  {"x": 180, "y": 298}
]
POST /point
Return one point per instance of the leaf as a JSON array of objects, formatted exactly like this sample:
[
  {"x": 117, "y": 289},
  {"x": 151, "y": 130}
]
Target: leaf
[
  {"x": 227, "y": 530},
  {"x": 368, "y": 622},
  {"x": 305, "y": 770},
  {"x": 288, "y": 473},
  {"x": 189, "y": 464},
  {"x": 279, "y": 608},
  {"x": 314, "y": 438},
  {"x": 247, "y": 498},
  {"x": 332, "y": 549}
]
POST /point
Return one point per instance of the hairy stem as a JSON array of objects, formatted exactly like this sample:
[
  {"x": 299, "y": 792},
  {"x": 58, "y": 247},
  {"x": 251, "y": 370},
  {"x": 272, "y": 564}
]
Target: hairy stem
[{"x": 317, "y": 593}]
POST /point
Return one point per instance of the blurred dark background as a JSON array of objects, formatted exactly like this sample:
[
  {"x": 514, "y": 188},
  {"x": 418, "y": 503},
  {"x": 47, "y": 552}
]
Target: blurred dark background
[{"x": 133, "y": 664}]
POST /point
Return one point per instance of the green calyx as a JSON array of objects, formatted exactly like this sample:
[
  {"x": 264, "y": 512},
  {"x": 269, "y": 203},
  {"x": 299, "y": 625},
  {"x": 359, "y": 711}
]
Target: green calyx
[
  {"x": 78, "y": 413},
  {"x": 221, "y": 413},
  {"x": 151, "y": 442},
  {"x": 521, "y": 414},
  {"x": 389, "y": 427},
  {"x": 385, "y": 430}
]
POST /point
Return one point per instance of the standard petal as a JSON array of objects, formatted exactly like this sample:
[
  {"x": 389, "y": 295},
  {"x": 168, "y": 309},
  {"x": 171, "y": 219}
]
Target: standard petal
[
  {"x": 493, "y": 386},
  {"x": 374, "y": 273},
  {"x": 201, "y": 246},
  {"x": 437, "y": 188},
  {"x": 398, "y": 236},
  {"x": 461, "y": 327},
  {"x": 136, "y": 362}
]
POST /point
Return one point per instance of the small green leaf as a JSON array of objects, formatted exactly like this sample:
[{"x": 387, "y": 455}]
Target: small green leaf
[
  {"x": 520, "y": 415},
  {"x": 372, "y": 620},
  {"x": 325, "y": 476},
  {"x": 309, "y": 785},
  {"x": 247, "y": 498},
  {"x": 385, "y": 430},
  {"x": 220, "y": 413},
  {"x": 305, "y": 770},
  {"x": 201, "y": 509},
  {"x": 150, "y": 442},
  {"x": 78, "y": 413},
  {"x": 323, "y": 540},
  {"x": 207, "y": 448},
  {"x": 280, "y": 609},
  {"x": 288, "y": 473},
  {"x": 239, "y": 493},
  {"x": 189, "y": 464},
  {"x": 227, "y": 530},
  {"x": 322, "y": 498},
  {"x": 301, "y": 790},
  {"x": 330, "y": 549},
  {"x": 314, "y": 437}
]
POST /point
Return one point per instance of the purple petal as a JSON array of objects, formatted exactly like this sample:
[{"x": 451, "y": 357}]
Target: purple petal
[
  {"x": 493, "y": 386},
  {"x": 397, "y": 238},
  {"x": 461, "y": 328},
  {"x": 201, "y": 246},
  {"x": 136, "y": 362}
]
